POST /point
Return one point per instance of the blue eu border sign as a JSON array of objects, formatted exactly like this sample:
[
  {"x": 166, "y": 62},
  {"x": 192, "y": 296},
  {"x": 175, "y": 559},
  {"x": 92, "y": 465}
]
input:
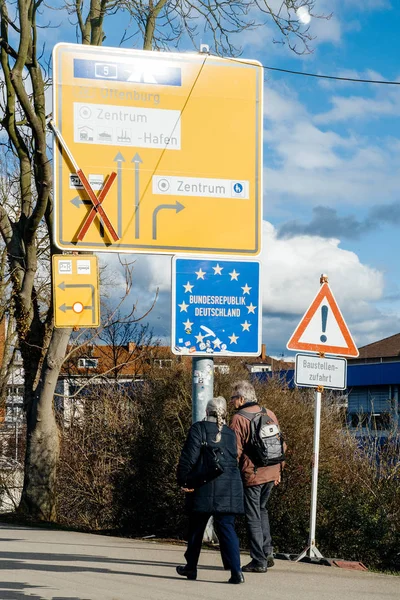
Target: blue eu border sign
[{"x": 216, "y": 307}]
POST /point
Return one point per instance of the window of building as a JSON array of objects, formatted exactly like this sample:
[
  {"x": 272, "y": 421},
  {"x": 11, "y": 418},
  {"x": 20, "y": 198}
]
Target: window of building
[
  {"x": 163, "y": 363},
  {"x": 14, "y": 414},
  {"x": 88, "y": 363},
  {"x": 373, "y": 421},
  {"x": 380, "y": 421},
  {"x": 15, "y": 392},
  {"x": 358, "y": 420},
  {"x": 224, "y": 369},
  {"x": 260, "y": 368}
]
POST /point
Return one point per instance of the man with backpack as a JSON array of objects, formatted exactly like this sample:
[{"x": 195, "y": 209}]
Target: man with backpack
[{"x": 261, "y": 458}]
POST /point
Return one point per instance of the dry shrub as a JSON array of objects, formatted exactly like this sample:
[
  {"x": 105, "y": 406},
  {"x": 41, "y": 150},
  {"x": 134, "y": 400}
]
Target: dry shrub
[
  {"x": 95, "y": 449},
  {"x": 150, "y": 501},
  {"x": 358, "y": 503},
  {"x": 118, "y": 470}
]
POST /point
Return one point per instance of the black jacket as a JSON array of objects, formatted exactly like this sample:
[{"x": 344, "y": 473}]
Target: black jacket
[{"x": 225, "y": 493}]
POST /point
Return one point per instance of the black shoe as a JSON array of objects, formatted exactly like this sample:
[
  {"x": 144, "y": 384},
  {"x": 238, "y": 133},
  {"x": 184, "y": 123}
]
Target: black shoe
[
  {"x": 236, "y": 577},
  {"x": 253, "y": 567},
  {"x": 185, "y": 572},
  {"x": 270, "y": 561}
]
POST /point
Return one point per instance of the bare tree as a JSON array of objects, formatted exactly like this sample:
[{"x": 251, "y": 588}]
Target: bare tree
[
  {"x": 160, "y": 24},
  {"x": 7, "y": 333},
  {"x": 156, "y": 24}
]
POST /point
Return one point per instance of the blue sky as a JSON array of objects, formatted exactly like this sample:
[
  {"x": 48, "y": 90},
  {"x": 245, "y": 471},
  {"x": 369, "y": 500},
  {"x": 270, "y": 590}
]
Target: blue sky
[{"x": 331, "y": 174}]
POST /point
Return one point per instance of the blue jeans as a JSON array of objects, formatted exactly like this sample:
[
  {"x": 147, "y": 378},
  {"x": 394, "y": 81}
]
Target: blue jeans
[
  {"x": 257, "y": 521},
  {"x": 229, "y": 544}
]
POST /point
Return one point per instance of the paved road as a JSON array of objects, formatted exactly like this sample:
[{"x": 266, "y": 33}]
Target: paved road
[{"x": 59, "y": 565}]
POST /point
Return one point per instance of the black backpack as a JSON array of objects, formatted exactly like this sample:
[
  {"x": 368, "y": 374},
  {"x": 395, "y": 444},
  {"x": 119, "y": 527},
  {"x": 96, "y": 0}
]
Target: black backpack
[{"x": 266, "y": 445}]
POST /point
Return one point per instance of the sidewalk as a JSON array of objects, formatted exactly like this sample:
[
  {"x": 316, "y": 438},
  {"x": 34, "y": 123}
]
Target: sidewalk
[{"x": 44, "y": 564}]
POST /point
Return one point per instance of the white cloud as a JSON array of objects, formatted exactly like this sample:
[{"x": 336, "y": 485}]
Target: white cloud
[
  {"x": 320, "y": 166},
  {"x": 361, "y": 180},
  {"x": 305, "y": 146},
  {"x": 152, "y": 270},
  {"x": 357, "y": 107},
  {"x": 254, "y": 40},
  {"x": 290, "y": 279},
  {"x": 282, "y": 106},
  {"x": 326, "y": 30},
  {"x": 293, "y": 266}
]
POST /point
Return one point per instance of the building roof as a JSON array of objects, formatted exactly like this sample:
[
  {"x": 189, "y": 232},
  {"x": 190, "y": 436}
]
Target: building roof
[
  {"x": 131, "y": 360},
  {"x": 387, "y": 348}
]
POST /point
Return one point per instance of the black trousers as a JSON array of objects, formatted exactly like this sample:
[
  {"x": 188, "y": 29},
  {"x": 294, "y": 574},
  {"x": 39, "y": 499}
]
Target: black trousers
[
  {"x": 225, "y": 529},
  {"x": 257, "y": 521}
]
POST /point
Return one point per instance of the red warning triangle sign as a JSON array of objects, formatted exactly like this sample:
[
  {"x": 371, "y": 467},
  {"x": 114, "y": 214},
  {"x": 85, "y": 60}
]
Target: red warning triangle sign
[{"x": 323, "y": 329}]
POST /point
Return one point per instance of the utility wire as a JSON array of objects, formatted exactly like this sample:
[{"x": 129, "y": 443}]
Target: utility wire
[
  {"x": 332, "y": 76},
  {"x": 305, "y": 74}
]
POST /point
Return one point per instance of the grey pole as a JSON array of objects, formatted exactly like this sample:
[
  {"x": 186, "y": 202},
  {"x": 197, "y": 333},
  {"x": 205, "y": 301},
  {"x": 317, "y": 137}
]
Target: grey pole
[
  {"x": 313, "y": 550},
  {"x": 202, "y": 385},
  {"x": 202, "y": 392}
]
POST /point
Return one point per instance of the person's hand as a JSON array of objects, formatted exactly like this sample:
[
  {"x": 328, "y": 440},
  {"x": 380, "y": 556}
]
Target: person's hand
[
  {"x": 188, "y": 490},
  {"x": 277, "y": 481}
]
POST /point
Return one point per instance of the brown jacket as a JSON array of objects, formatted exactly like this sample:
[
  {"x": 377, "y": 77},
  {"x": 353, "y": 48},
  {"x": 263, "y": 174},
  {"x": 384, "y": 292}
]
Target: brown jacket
[{"x": 252, "y": 475}]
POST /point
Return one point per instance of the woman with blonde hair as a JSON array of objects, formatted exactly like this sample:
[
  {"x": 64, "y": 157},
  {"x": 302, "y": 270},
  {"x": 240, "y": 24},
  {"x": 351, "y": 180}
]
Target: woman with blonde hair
[{"x": 221, "y": 498}]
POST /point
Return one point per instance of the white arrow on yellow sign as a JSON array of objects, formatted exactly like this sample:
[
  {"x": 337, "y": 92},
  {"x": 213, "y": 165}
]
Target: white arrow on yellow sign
[{"x": 76, "y": 291}]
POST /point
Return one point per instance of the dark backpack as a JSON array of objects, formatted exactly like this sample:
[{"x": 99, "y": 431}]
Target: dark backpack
[{"x": 266, "y": 445}]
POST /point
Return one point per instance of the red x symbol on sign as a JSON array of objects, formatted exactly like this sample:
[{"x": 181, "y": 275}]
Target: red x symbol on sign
[
  {"x": 96, "y": 200},
  {"x": 96, "y": 208}
]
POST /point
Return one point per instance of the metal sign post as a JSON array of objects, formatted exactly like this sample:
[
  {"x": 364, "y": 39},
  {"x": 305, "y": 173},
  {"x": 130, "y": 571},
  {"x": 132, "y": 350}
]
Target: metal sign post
[
  {"x": 202, "y": 392},
  {"x": 322, "y": 329},
  {"x": 202, "y": 386},
  {"x": 311, "y": 550}
]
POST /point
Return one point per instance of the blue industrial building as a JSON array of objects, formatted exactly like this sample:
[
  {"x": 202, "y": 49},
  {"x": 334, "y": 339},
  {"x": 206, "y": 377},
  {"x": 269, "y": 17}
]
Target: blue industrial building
[{"x": 373, "y": 382}]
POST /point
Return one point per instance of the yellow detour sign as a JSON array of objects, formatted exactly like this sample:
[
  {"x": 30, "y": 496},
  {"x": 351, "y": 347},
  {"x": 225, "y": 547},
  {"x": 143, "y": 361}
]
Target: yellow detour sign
[
  {"x": 169, "y": 147},
  {"x": 76, "y": 290}
]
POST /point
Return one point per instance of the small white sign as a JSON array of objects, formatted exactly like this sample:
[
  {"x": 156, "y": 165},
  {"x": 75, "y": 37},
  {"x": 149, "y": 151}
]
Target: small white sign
[
  {"x": 83, "y": 267},
  {"x": 96, "y": 182},
  {"x": 132, "y": 126},
  {"x": 200, "y": 186},
  {"x": 65, "y": 267},
  {"x": 314, "y": 371}
]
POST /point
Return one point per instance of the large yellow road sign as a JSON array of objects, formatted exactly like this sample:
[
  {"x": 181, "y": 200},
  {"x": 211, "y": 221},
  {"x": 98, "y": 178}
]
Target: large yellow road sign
[
  {"x": 76, "y": 290},
  {"x": 182, "y": 133}
]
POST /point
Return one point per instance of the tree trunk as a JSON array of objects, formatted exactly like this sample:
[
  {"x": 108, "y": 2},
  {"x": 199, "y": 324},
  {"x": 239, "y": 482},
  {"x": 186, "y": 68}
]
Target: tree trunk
[{"x": 42, "y": 451}]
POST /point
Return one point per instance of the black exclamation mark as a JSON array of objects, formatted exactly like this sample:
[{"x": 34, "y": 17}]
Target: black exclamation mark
[{"x": 324, "y": 317}]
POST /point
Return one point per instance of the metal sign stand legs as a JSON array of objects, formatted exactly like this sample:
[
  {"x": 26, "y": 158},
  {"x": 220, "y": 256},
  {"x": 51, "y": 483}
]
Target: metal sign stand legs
[{"x": 312, "y": 551}]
